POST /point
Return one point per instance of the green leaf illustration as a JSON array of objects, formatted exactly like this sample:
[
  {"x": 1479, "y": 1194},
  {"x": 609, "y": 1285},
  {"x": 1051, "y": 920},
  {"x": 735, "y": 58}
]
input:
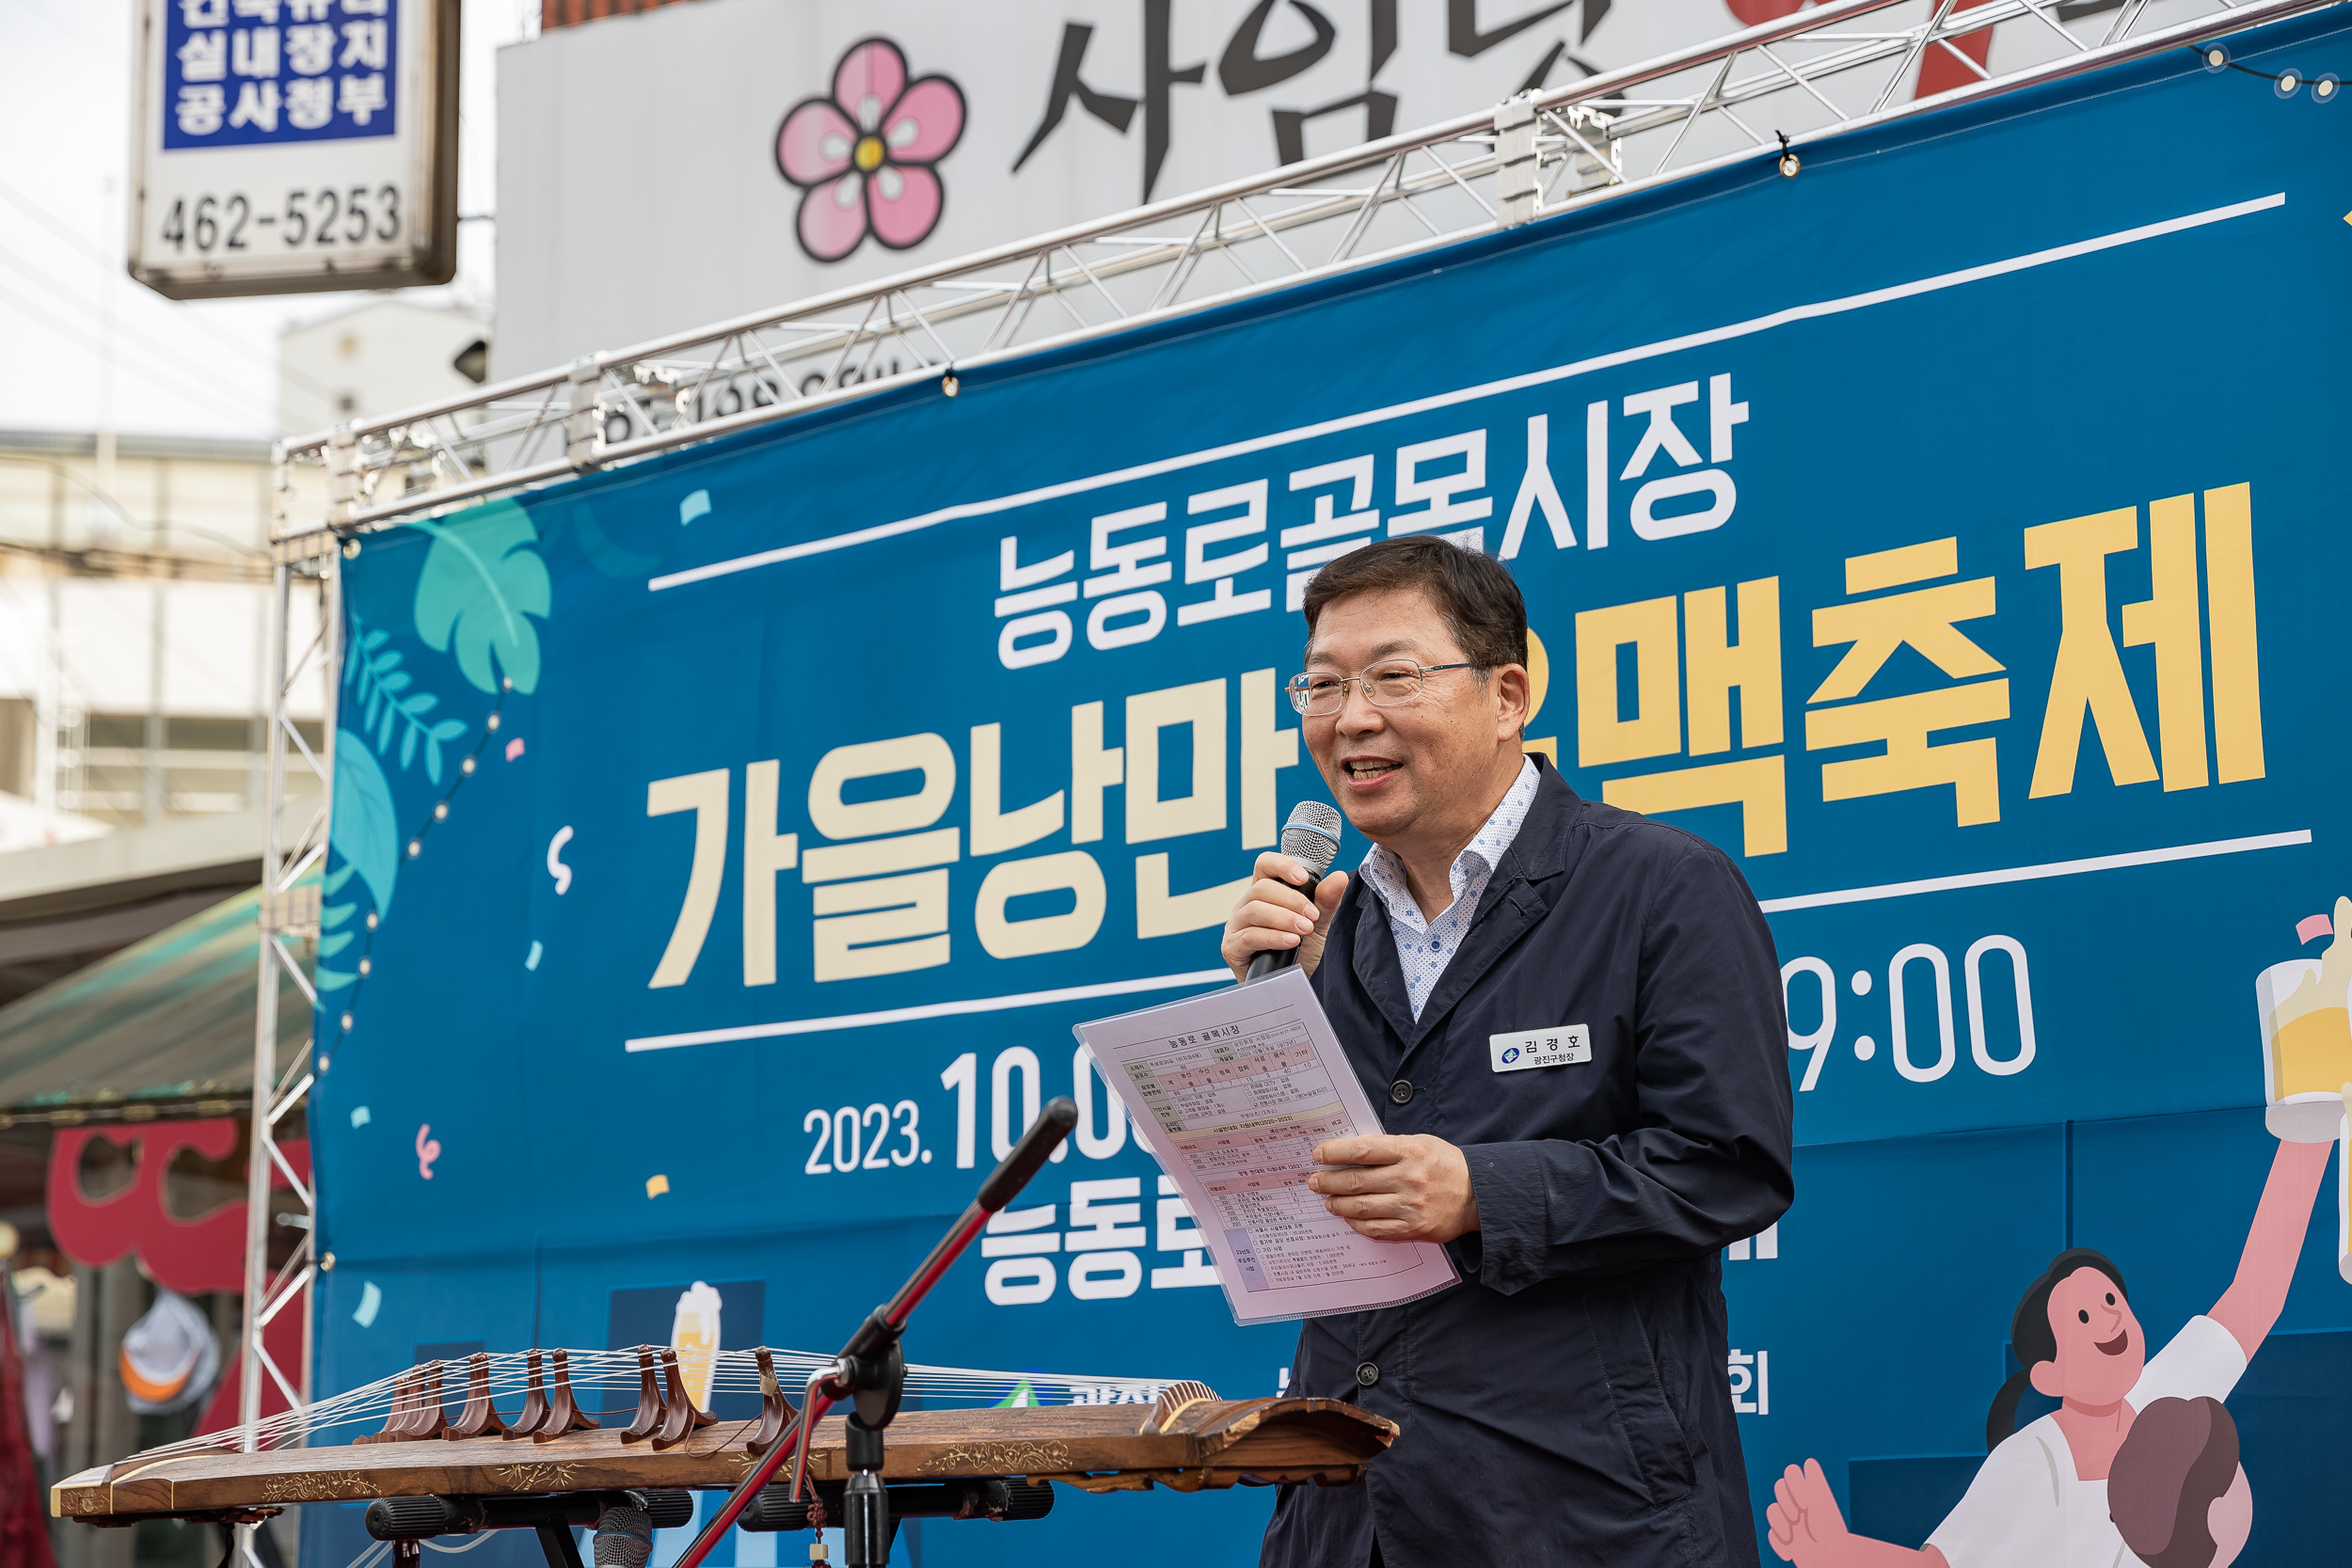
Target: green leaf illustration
[
  {"x": 364, "y": 829},
  {"x": 480, "y": 584}
]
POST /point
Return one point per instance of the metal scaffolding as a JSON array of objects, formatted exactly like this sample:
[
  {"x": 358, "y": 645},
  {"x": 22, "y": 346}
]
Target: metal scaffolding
[
  {"x": 1772, "y": 88},
  {"x": 291, "y": 851},
  {"x": 1770, "y": 91}
]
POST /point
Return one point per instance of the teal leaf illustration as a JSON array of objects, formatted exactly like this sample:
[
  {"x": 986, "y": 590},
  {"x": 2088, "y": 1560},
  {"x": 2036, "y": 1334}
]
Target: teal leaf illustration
[
  {"x": 380, "y": 681},
  {"x": 364, "y": 829},
  {"x": 446, "y": 729},
  {"x": 480, "y": 584},
  {"x": 330, "y": 945},
  {"x": 335, "y": 914},
  {"x": 334, "y": 880},
  {"x": 332, "y": 979}
]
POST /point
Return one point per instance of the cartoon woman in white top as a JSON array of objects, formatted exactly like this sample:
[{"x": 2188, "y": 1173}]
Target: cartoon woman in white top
[{"x": 2041, "y": 1501}]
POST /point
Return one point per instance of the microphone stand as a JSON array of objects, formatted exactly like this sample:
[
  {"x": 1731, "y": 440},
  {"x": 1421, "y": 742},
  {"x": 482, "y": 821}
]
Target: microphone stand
[{"x": 871, "y": 1371}]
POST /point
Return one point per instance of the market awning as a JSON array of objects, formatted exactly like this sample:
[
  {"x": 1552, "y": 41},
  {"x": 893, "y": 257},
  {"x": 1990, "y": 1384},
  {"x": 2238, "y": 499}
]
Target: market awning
[{"x": 162, "y": 1028}]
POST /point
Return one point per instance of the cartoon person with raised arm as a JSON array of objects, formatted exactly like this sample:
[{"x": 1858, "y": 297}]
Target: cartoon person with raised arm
[{"x": 2041, "y": 1499}]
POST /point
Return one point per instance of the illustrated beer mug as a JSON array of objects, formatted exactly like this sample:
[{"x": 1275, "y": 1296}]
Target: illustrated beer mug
[
  {"x": 694, "y": 1335},
  {"x": 2306, "y": 1007}
]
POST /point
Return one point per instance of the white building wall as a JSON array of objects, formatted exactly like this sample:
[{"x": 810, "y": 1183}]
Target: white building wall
[{"x": 378, "y": 358}]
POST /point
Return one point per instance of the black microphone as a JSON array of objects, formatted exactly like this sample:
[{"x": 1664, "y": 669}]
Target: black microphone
[{"x": 1310, "y": 837}]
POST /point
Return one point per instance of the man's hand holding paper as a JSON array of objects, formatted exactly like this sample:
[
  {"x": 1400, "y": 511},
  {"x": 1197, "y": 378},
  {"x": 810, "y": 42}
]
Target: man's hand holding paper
[{"x": 1410, "y": 1188}]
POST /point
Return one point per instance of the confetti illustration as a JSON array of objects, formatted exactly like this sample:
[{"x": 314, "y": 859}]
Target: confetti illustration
[
  {"x": 360, "y": 1117},
  {"x": 370, "y": 1301},
  {"x": 556, "y": 868},
  {"x": 656, "y": 1185},
  {"x": 428, "y": 1150},
  {"x": 533, "y": 961},
  {"x": 514, "y": 748},
  {"x": 693, "y": 506}
]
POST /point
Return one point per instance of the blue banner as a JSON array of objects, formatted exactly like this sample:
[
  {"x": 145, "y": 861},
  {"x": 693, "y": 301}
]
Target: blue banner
[{"x": 725, "y": 845}]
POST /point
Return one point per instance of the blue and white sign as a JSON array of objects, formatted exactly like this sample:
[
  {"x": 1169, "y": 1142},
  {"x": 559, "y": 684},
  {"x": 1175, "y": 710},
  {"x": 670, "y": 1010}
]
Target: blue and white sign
[
  {"x": 725, "y": 845},
  {"x": 294, "y": 144},
  {"x": 237, "y": 73}
]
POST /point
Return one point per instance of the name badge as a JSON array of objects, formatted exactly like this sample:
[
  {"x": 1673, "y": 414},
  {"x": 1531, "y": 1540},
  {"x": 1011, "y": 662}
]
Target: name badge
[{"x": 1569, "y": 1042}]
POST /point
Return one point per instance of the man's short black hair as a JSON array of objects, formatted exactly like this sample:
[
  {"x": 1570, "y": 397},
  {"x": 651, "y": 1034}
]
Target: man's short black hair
[{"x": 1474, "y": 592}]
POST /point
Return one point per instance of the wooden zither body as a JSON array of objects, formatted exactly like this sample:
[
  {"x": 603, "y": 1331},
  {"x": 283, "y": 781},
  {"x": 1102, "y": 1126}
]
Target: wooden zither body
[{"x": 1188, "y": 1443}]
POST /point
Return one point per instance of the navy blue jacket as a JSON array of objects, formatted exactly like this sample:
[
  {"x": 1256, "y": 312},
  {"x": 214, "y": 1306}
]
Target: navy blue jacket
[{"x": 1568, "y": 1403}]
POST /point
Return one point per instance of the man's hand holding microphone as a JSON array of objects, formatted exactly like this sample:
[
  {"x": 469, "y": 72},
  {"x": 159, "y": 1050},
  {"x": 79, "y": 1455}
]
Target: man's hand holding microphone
[
  {"x": 1281, "y": 919},
  {"x": 1396, "y": 1188}
]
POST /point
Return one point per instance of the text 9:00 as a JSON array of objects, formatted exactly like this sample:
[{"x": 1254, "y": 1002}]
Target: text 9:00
[{"x": 317, "y": 219}]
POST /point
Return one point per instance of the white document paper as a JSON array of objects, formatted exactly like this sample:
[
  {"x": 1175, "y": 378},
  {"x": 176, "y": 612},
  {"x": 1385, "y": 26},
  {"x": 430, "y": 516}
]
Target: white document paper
[{"x": 1235, "y": 1089}]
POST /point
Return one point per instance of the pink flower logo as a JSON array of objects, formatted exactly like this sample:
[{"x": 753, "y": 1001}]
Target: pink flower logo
[{"x": 863, "y": 157}]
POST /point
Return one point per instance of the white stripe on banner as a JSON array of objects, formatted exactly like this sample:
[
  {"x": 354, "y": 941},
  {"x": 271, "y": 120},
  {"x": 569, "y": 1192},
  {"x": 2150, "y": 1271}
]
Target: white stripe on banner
[
  {"x": 1472, "y": 394},
  {"x": 935, "y": 1009},
  {"x": 1220, "y": 976},
  {"x": 2036, "y": 873}
]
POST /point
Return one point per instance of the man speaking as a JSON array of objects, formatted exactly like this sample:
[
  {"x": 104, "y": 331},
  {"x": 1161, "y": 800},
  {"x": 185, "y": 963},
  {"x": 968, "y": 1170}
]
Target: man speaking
[{"x": 1568, "y": 1403}]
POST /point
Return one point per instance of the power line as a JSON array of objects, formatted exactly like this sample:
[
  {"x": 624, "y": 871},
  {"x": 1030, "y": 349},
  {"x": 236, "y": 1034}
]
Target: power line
[
  {"x": 124, "y": 512},
  {"x": 71, "y": 35},
  {"x": 194, "y": 394},
  {"x": 210, "y": 329},
  {"x": 195, "y": 370}
]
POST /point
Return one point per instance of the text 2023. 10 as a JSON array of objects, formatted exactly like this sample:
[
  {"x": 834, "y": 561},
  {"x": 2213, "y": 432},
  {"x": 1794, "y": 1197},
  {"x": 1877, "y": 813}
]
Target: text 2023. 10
[
  {"x": 883, "y": 1135},
  {"x": 319, "y": 218}
]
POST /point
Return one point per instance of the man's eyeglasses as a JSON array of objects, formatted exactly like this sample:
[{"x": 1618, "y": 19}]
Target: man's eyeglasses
[{"x": 1390, "y": 683}]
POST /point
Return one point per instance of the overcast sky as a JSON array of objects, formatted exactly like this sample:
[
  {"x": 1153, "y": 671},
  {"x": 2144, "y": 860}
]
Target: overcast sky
[{"x": 182, "y": 369}]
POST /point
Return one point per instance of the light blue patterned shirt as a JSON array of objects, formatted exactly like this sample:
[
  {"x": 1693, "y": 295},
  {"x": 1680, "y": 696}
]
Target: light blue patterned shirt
[{"x": 1425, "y": 947}]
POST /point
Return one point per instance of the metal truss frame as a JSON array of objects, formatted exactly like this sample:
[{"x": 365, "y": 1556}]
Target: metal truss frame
[
  {"x": 1828, "y": 70},
  {"x": 291, "y": 851},
  {"x": 1819, "y": 72}
]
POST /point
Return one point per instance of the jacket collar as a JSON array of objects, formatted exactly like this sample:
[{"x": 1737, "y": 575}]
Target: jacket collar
[{"x": 1519, "y": 894}]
